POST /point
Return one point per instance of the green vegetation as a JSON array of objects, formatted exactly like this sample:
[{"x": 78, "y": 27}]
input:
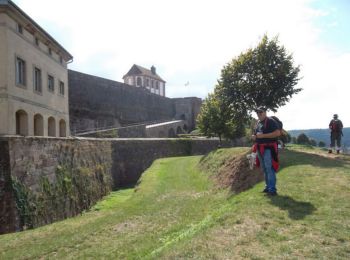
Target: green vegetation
[
  {"x": 176, "y": 212},
  {"x": 260, "y": 76},
  {"x": 73, "y": 191}
]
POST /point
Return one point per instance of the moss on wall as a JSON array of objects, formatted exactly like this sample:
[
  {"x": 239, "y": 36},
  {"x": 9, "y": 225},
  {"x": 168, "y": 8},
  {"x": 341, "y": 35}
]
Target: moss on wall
[{"x": 73, "y": 191}]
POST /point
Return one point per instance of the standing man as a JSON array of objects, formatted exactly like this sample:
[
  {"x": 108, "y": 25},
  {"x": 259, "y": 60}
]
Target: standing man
[
  {"x": 265, "y": 137},
  {"x": 336, "y": 127}
]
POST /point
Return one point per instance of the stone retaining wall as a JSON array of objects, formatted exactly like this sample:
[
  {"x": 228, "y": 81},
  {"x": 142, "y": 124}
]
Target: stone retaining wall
[{"x": 43, "y": 180}]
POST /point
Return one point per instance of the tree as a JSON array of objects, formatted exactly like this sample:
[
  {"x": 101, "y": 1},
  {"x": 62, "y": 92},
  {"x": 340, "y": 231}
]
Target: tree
[
  {"x": 262, "y": 76},
  {"x": 303, "y": 139},
  {"x": 322, "y": 144},
  {"x": 214, "y": 119},
  {"x": 286, "y": 138},
  {"x": 312, "y": 142}
]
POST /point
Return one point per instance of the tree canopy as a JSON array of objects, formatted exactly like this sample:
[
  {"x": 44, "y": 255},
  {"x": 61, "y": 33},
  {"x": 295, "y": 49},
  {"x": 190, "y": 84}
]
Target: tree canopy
[
  {"x": 261, "y": 76},
  {"x": 216, "y": 120}
]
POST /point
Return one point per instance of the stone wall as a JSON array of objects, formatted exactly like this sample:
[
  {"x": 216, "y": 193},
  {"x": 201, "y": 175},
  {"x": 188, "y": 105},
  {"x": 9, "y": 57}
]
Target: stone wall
[
  {"x": 43, "y": 180},
  {"x": 8, "y": 211},
  {"x": 96, "y": 102},
  {"x": 50, "y": 179}
]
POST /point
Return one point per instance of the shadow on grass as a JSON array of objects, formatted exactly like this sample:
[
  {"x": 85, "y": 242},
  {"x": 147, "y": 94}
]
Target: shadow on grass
[
  {"x": 290, "y": 158},
  {"x": 296, "y": 209}
]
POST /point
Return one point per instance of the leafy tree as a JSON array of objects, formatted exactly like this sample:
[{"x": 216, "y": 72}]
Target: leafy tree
[
  {"x": 261, "y": 76},
  {"x": 215, "y": 119},
  {"x": 303, "y": 139},
  {"x": 286, "y": 138},
  {"x": 312, "y": 142},
  {"x": 322, "y": 144}
]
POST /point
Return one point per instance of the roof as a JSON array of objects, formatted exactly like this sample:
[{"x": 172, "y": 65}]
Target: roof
[
  {"x": 139, "y": 70},
  {"x": 31, "y": 25}
]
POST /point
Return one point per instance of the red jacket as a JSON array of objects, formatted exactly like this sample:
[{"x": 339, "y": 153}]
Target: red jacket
[{"x": 274, "y": 153}]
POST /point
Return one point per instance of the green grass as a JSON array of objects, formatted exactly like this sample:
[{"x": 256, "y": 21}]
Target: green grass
[{"x": 176, "y": 213}]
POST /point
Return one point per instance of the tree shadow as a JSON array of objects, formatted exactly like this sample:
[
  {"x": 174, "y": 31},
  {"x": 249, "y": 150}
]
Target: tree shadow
[
  {"x": 296, "y": 209},
  {"x": 290, "y": 158}
]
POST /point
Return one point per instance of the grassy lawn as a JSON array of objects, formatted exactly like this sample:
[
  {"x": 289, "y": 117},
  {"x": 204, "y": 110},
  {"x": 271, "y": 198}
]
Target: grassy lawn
[{"x": 178, "y": 213}]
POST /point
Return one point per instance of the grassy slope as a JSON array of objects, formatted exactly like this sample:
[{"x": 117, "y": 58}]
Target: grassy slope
[{"x": 177, "y": 213}]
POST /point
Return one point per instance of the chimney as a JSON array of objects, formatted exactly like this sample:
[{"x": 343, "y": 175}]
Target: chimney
[{"x": 153, "y": 69}]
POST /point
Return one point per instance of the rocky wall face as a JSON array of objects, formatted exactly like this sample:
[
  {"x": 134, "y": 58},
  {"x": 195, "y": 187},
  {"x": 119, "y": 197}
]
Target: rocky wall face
[
  {"x": 53, "y": 179},
  {"x": 8, "y": 210},
  {"x": 43, "y": 180}
]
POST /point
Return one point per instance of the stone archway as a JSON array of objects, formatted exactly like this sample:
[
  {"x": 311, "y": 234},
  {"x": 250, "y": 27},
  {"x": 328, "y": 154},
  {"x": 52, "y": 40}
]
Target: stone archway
[
  {"x": 63, "y": 131},
  {"x": 21, "y": 122},
  {"x": 51, "y": 126},
  {"x": 185, "y": 128},
  {"x": 38, "y": 125},
  {"x": 179, "y": 130},
  {"x": 171, "y": 133}
]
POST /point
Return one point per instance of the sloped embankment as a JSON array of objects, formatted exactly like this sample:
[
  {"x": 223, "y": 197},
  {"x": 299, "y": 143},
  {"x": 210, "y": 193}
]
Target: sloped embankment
[{"x": 231, "y": 169}]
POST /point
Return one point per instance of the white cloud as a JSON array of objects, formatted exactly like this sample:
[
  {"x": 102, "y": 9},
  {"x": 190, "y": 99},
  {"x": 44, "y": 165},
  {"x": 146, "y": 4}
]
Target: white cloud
[{"x": 191, "y": 40}]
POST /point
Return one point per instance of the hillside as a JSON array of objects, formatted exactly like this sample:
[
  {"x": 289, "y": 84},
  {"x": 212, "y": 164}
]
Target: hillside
[
  {"x": 182, "y": 210},
  {"x": 322, "y": 135}
]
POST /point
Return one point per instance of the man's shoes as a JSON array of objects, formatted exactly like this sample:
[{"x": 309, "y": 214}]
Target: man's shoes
[
  {"x": 272, "y": 193},
  {"x": 329, "y": 151},
  {"x": 265, "y": 190}
]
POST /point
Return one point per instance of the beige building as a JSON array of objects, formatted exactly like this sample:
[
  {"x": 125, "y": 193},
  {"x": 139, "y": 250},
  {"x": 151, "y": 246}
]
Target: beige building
[
  {"x": 33, "y": 77},
  {"x": 141, "y": 77}
]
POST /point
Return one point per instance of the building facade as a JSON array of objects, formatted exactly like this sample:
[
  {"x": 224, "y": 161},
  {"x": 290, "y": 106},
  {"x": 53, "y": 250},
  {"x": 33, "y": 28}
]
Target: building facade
[
  {"x": 141, "y": 77},
  {"x": 33, "y": 77}
]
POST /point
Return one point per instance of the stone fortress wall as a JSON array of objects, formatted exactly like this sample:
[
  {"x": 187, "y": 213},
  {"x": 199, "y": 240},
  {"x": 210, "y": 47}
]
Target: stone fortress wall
[{"x": 96, "y": 102}]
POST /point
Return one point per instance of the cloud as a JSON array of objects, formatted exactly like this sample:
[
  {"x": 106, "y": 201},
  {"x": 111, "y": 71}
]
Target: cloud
[{"x": 193, "y": 40}]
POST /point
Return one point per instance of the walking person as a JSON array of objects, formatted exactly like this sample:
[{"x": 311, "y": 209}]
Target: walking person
[
  {"x": 336, "y": 128},
  {"x": 266, "y": 146}
]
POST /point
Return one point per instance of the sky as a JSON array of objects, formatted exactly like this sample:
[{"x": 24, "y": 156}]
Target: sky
[{"x": 189, "y": 42}]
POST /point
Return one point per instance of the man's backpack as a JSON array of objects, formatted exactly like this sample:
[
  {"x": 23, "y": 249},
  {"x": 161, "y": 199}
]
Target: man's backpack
[
  {"x": 336, "y": 126},
  {"x": 279, "y": 124}
]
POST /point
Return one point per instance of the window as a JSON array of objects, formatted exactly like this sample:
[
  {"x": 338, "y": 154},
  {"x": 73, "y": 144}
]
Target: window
[
  {"x": 20, "y": 72},
  {"x": 139, "y": 81},
  {"x": 37, "y": 80},
  {"x": 147, "y": 82},
  {"x": 61, "y": 88},
  {"x": 19, "y": 28},
  {"x": 61, "y": 60},
  {"x": 36, "y": 41},
  {"x": 51, "y": 83},
  {"x": 50, "y": 51},
  {"x": 157, "y": 85}
]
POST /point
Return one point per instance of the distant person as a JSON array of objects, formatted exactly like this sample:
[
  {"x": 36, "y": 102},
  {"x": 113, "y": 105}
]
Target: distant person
[
  {"x": 265, "y": 136},
  {"x": 336, "y": 127}
]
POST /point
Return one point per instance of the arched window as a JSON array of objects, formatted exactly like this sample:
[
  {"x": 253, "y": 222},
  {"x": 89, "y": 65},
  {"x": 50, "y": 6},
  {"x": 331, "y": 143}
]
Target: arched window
[
  {"x": 171, "y": 133},
  {"x": 21, "y": 122},
  {"x": 185, "y": 128},
  {"x": 51, "y": 126},
  {"x": 139, "y": 82},
  {"x": 63, "y": 132},
  {"x": 38, "y": 125},
  {"x": 179, "y": 130}
]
